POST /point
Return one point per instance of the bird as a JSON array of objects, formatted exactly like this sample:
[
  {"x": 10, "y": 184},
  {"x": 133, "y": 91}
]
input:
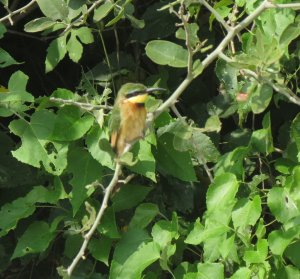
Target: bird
[{"x": 128, "y": 118}]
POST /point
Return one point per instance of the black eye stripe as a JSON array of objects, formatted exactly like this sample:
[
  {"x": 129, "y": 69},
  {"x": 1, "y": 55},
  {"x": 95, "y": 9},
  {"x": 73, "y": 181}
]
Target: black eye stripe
[{"x": 135, "y": 93}]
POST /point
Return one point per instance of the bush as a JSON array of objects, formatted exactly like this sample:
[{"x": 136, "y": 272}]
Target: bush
[{"x": 211, "y": 191}]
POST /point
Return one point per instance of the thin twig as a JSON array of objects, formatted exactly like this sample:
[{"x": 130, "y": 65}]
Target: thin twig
[
  {"x": 184, "y": 19},
  {"x": 216, "y": 14},
  {"x": 86, "y": 106},
  {"x": 21, "y": 10},
  {"x": 82, "y": 18},
  {"x": 207, "y": 170},
  {"x": 279, "y": 89},
  {"x": 176, "y": 112},
  {"x": 88, "y": 236}
]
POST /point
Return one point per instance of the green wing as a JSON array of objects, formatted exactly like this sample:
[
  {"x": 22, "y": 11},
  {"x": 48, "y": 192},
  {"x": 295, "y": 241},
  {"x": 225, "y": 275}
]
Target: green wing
[{"x": 114, "y": 120}]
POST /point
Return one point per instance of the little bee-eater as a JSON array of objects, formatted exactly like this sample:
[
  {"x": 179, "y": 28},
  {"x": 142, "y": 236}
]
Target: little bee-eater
[{"x": 128, "y": 118}]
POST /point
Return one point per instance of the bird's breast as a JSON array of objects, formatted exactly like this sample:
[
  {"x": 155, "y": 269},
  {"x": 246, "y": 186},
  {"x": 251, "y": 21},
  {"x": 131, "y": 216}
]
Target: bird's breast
[{"x": 133, "y": 118}]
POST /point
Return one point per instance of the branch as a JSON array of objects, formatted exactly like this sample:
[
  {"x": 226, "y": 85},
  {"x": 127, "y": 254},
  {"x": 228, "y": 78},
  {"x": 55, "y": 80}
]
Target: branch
[
  {"x": 82, "y": 18},
  {"x": 295, "y": 6},
  {"x": 279, "y": 89},
  {"x": 216, "y": 14},
  {"x": 88, "y": 236},
  {"x": 21, "y": 10},
  {"x": 85, "y": 106}
]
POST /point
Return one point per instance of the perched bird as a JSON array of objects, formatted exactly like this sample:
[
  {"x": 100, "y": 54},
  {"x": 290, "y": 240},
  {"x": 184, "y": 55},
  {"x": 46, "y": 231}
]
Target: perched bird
[{"x": 128, "y": 118}]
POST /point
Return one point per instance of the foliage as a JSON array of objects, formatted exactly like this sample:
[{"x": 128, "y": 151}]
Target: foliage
[{"x": 212, "y": 190}]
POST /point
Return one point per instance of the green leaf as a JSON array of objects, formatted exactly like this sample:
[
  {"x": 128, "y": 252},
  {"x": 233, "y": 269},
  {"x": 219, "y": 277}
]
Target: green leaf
[
  {"x": 129, "y": 196},
  {"x": 213, "y": 231},
  {"x": 85, "y": 170},
  {"x": 292, "y": 253},
  {"x": 163, "y": 232},
  {"x": 173, "y": 162},
  {"x": 242, "y": 273},
  {"x": 227, "y": 74},
  {"x": 76, "y": 8},
  {"x": 197, "y": 68},
  {"x": 258, "y": 256},
  {"x": 213, "y": 124},
  {"x": 36, "y": 150},
  {"x": 35, "y": 239},
  {"x": 182, "y": 132},
  {"x": 228, "y": 249},
  {"x": 146, "y": 161},
  {"x": 221, "y": 196},
  {"x": 282, "y": 204},
  {"x": 289, "y": 34},
  {"x": 72, "y": 245},
  {"x": 39, "y": 24},
  {"x": 12, "y": 212},
  {"x": 6, "y": 59},
  {"x": 23, "y": 207},
  {"x": 84, "y": 34},
  {"x": 2, "y": 30},
  {"x": 97, "y": 141},
  {"x": 232, "y": 162},
  {"x": 100, "y": 249},
  {"x": 143, "y": 215},
  {"x": 55, "y": 53},
  {"x": 261, "y": 97},
  {"x": 54, "y": 9},
  {"x": 210, "y": 270},
  {"x": 108, "y": 226},
  {"x": 262, "y": 140},
  {"x": 279, "y": 239},
  {"x": 133, "y": 254},
  {"x": 284, "y": 165},
  {"x": 194, "y": 237},
  {"x": 167, "y": 53},
  {"x": 192, "y": 29},
  {"x": 102, "y": 11},
  {"x": 295, "y": 133},
  {"x": 203, "y": 148},
  {"x": 74, "y": 48},
  {"x": 118, "y": 17},
  {"x": 70, "y": 124},
  {"x": 247, "y": 212},
  {"x": 288, "y": 271},
  {"x": 17, "y": 89},
  {"x": 155, "y": 26}
]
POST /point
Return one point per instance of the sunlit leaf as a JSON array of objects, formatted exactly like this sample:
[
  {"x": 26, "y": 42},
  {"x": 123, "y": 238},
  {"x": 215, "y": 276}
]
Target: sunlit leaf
[
  {"x": 54, "y": 9},
  {"x": 167, "y": 53}
]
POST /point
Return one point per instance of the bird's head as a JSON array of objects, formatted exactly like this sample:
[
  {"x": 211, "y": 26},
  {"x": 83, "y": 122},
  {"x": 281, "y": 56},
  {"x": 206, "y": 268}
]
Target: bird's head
[{"x": 136, "y": 93}]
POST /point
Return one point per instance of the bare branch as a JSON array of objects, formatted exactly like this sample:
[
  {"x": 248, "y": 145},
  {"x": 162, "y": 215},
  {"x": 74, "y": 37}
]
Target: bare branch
[
  {"x": 88, "y": 236},
  {"x": 295, "y": 6},
  {"x": 21, "y": 10},
  {"x": 85, "y": 106}
]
